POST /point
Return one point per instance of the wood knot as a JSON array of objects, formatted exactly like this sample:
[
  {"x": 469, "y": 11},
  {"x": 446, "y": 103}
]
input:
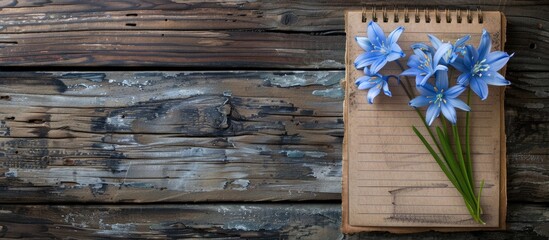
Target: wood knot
[{"x": 288, "y": 19}]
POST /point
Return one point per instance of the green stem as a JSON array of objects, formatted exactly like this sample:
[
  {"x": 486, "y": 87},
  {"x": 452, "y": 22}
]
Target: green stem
[
  {"x": 411, "y": 96},
  {"x": 443, "y": 166},
  {"x": 454, "y": 167},
  {"x": 461, "y": 159},
  {"x": 479, "y": 210},
  {"x": 468, "y": 138},
  {"x": 468, "y": 159},
  {"x": 444, "y": 127}
]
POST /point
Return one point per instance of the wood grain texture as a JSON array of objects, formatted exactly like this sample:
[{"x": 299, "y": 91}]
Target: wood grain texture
[
  {"x": 202, "y": 49},
  {"x": 170, "y": 136},
  {"x": 285, "y": 15},
  {"x": 201, "y": 136},
  {"x": 218, "y": 35},
  {"x": 527, "y": 126},
  {"x": 101, "y": 137},
  {"x": 225, "y": 221}
]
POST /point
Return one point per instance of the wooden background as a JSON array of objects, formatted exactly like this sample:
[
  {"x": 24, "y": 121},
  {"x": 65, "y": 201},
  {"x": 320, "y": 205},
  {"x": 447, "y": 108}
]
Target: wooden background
[{"x": 218, "y": 119}]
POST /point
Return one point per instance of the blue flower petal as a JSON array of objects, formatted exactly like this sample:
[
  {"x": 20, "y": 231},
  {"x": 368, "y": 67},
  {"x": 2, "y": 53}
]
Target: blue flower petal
[
  {"x": 457, "y": 103},
  {"x": 463, "y": 79},
  {"x": 425, "y": 79},
  {"x": 434, "y": 41},
  {"x": 366, "y": 85},
  {"x": 441, "y": 68},
  {"x": 494, "y": 78},
  {"x": 423, "y": 47},
  {"x": 419, "y": 78},
  {"x": 426, "y": 90},
  {"x": 454, "y": 91},
  {"x": 485, "y": 44},
  {"x": 362, "y": 79},
  {"x": 449, "y": 112},
  {"x": 433, "y": 111},
  {"x": 367, "y": 72},
  {"x": 394, "y": 35},
  {"x": 393, "y": 56},
  {"x": 366, "y": 82},
  {"x": 410, "y": 72},
  {"x": 378, "y": 64},
  {"x": 366, "y": 59},
  {"x": 471, "y": 56},
  {"x": 479, "y": 87},
  {"x": 441, "y": 80},
  {"x": 458, "y": 64},
  {"x": 419, "y": 101},
  {"x": 386, "y": 89},
  {"x": 421, "y": 54},
  {"x": 364, "y": 43},
  {"x": 460, "y": 42},
  {"x": 497, "y": 60},
  {"x": 375, "y": 34},
  {"x": 372, "y": 93},
  {"x": 413, "y": 61},
  {"x": 441, "y": 52}
]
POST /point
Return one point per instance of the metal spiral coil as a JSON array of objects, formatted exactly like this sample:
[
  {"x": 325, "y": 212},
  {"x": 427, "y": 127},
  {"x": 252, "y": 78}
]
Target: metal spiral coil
[{"x": 403, "y": 14}]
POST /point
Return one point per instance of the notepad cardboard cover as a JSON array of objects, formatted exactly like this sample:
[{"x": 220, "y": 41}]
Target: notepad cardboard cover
[{"x": 390, "y": 181}]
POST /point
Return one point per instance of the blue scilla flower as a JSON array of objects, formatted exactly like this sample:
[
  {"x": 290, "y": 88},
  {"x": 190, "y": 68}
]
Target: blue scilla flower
[
  {"x": 423, "y": 64},
  {"x": 453, "y": 53},
  {"x": 479, "y": 67},
  {"x": 378, "y": 49},
  {"x": 440, "y": 99},
  {"x": 375, "y": 82}
]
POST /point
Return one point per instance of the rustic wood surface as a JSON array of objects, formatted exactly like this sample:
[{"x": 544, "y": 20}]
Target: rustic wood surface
[
  {"x": 225, "y": 221},
  {"x": 225, "y": 34},
  {"x": 171, "y": 136},
  {"x": 270, "y": 130}
]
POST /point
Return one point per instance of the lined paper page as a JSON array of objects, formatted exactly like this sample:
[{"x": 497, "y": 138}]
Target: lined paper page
[{"x": 392, "y": 180}]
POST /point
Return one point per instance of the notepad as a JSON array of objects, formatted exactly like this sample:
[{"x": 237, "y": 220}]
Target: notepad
[{"x": 390, "y": 181}]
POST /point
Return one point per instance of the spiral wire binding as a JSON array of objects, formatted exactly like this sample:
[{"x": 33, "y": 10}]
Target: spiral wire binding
[{"x": 405, "y": 14}]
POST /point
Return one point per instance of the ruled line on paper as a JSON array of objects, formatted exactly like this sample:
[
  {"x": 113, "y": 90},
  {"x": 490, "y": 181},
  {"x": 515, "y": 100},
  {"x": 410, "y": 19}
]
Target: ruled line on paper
[
  {"x": 421, "y": 171},
  {"x": 414, "y": 162},
  {"x": 460, "y": 214},
  {"x": 400, "y": 110},
  {"x": 413, "y": 144},
  {"x": 434, "y": 196},
  {"x": 412, "y": 153},
  {"x": 413, "y": 117}
]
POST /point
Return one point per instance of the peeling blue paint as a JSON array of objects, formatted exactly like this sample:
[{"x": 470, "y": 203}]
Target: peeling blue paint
[
  {"x": 295, "y": 79},
  {"x": 301, "y": 154},
  {"x": 336, "y": 93},
  {"x": 94, "y": 77},
  {"x": 295, "y": 154}
]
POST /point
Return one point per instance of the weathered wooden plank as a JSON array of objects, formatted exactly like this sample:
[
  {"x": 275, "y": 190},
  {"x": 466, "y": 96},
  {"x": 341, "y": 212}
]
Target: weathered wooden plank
[
  {"x": 306, "y": 16},
  {"x": 527, "y": 127},
  {"x": 198, "y": 136},
  {"x": 225, "y": 221},
  {"x": 170, "y": 136},
  {"x": 306, "y": 35},
  {"x": 204, "y": 49}
]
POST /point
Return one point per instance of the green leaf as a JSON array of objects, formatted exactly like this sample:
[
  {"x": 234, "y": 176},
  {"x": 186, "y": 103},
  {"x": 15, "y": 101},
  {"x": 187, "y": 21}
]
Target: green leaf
[
  {"x": 454, "y": 168},
  {"x": 459, "y": 154},
  {"x": 440, "y": 163},
  {"x": 468, "y": 159}
]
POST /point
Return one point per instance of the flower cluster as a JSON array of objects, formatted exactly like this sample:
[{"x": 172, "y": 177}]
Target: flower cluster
[
  {"x": 378, "y": 51},
  {"x": 478, "y": 67}
]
